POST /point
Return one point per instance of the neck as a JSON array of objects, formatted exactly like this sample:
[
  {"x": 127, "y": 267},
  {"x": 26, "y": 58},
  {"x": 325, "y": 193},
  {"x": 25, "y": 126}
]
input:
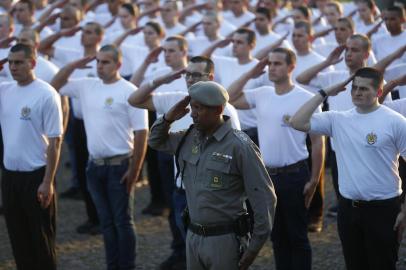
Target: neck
[
  {"x": 29, "y": 22},
  {"x": 213, "y": 37},
  {"x": 244, "y": 59},
  {"x": 153, "y": 46},
  {"x": 238, "y": 13},
  {"x": 170, "y": 24},
  {"x": 90, "y": 50},
  {"x": 303, "y": 51},
  {"x": 284, "y": 86},
  {"x": 368, "y": 109},
  {"x": 369, "y": 20},
  {"x": 182, "y": 64},
  {"x": 210, "y": 131},
  {"x": 354, "y": 69},
  {"x": 264, "y": 31},
  {"x": 27, "y": 81},
  {"x": 112, "y": 79},
  {"x": 396, "y": 33}
]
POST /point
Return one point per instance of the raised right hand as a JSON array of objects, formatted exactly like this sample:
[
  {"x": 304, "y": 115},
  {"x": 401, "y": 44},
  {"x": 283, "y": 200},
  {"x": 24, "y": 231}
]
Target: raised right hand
[
  {"x": 335, "y": 56},
  {"x": 2, "y": 62},
  {"x": 179, "y": 110},
  {"x": 153, "y": 55},
  {"x": 82, "y": 63},
  {"x": 258, "y": 69},
  {"x": 5, "y": 42},
  {"x": 70, "y": 31}
]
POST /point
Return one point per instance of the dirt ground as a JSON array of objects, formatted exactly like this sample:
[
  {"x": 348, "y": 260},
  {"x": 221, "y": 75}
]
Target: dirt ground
[{"x": 82, "y": 252}]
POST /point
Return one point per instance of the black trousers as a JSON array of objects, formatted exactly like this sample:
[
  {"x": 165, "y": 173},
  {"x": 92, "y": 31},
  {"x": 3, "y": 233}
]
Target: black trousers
[
  {"x": 81, "y": 155},
  {"x": 367, "y": 236},
  {"x": 31, "y": 228}
]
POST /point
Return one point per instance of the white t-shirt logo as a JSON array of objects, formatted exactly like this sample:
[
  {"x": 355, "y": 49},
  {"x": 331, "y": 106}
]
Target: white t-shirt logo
[
  {"x": 25, "y": 113},
  {"x": 108, "y": 102},
  {"x": 371, "y": 138}
]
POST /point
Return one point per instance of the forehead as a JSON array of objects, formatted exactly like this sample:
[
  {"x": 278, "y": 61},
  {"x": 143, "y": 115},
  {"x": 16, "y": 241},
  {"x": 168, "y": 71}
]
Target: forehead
[
  {"x": 123, "y": 11},
  {"x": 277, "y": 57},
  {"x": 16, "y": 56},
  {"x": 106, "y": 55},
  {"x": 238, "y": 36},
  {"x": 391, "y": 14},
  {"x": 343, "y": 25},
  {"x": 361, "y": 81},
  {"x": 331, "y": 9},
  {"x": 173, "y": 44},
  {"x": 354, "y": 43},
  {"x": 89, "y": 28},
  {"x": 196, "y": 67},
  {"x": 300, "y": 30},
  {"x": 260, "y": 15}
]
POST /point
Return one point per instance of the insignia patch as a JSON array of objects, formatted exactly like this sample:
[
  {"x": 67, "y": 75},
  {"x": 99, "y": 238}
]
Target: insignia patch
[
  {"x": 285, "y": 120},
  {"x": 25, "y": 113},
  {"x": 221, "y": 157},
  {"x": 108, "y": 102},
  {"x": 216, "y": 182},
  {"x": 371, "y": 138},
  {"x": 195, "y": 149}
]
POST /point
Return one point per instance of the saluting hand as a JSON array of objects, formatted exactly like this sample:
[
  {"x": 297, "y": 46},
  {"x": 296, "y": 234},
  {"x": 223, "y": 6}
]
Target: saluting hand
[
  {"x": 82, "y": 63},
  {"x": 337, "y": 88},
  {"x": 170, "y": 77},
  {"x": 5, "y": 42},
  {"x": 179, "y": 110},
  {"x": 70, "y": 31},
  {"x": 153, "y": 55},
  {"x": 2, "y": 62},
  {"x": 335, "y": 56},
  {"x": 258, "y": 69}
]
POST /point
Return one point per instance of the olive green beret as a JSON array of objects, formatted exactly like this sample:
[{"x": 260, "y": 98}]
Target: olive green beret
[{"x": 208, "y": 93}]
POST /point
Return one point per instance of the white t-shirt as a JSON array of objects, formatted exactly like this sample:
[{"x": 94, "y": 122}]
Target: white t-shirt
[
  {"x": 199, "y": 44},
  {"x": 394, "y": 72},
  {"x": 398, "y": 105},
  {"x": 71, "y": 43},
  {"x": 240, "y": 20},
  {"x": 367, "y": 150},
  {"x": 63, "y": 56},
  {"x": 265, "y": 40},
  {"x": 304, "y": 62},
  {"x": 362, "y": 28},
  {"x": 133, "y": 56},
  {"x": 109, "y": 119},
  {"x": 29, "y": 115},
  {"x": 280, "y": 144},
  {"x": 387, "y": 44}
]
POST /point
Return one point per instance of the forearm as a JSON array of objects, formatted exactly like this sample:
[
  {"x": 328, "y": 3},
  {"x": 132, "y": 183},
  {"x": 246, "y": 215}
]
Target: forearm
[
  {"x": 160, "y": 139},
  {"x": 306, "y": 76},
  {"x": 235, "y": 90},
  {"x": 53, "y": 152},
  {"x": 120, "y": 39},
  {"x": 138, "y": 76},
  {"x": 301, "y": 119},
  {"x": 317, "y": 155},
  {"x": 140, "y": 149},
  {"x": 65, "y": 112},
  {"x": 387, "y": 88},
  {"x": 386, "y": 61},
  {"x": 209, "y": 51},
  {"x": 46, "y": 44},
  {"x": 144, "y": 92},
  {"x": 61, "y": 78},
  {"x": 265, "y": 51}
]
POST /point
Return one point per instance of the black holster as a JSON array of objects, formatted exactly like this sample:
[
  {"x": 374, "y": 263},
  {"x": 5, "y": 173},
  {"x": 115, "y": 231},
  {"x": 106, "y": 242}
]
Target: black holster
[
  {"x": 185, "y": 218},
  {"x": 243, "y": 225}
]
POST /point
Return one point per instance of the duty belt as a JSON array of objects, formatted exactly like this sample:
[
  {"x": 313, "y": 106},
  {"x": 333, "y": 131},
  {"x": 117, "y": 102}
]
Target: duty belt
[
  {"x": 292, "y": 168},
  {"x": 369, "y": 204},
  {"x": 113, "y": 161},
  {"x": 211, "y": 230}
]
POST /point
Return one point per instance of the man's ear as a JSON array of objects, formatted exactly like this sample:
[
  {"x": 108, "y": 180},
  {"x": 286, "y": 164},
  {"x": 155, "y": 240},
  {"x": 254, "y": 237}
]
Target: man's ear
[
  {"x": 380, "y": 92},
  {"x": 33, "y": 63}
]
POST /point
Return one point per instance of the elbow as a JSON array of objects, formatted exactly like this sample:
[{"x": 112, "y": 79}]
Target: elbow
[{"x": 301, "y": 80}]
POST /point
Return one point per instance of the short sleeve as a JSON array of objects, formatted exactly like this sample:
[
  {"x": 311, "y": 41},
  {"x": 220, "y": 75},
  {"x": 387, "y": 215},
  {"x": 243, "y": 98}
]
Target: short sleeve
[
  {"x": 74, "y": 86},
  {"x": 321, "y": 123},
  {"x": 401, "y": 136},
  {"x": 52, "y": 116},
  {"x": 138, "y": 118}
]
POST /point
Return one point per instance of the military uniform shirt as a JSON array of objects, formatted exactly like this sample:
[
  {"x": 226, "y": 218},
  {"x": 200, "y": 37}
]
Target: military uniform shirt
[{"x": 218, "y": 173}]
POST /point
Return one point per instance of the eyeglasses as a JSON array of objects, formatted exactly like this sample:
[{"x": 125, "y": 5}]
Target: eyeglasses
[{"x": 194, "y": 75}]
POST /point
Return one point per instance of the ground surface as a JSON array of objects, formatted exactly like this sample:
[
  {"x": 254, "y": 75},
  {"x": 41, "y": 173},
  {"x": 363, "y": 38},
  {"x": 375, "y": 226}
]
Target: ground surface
[{"x": 79, "y": 252}]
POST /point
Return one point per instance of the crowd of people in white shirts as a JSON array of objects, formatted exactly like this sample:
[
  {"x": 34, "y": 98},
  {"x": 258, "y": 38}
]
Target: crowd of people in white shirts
[{"x": 331, "y": 40}]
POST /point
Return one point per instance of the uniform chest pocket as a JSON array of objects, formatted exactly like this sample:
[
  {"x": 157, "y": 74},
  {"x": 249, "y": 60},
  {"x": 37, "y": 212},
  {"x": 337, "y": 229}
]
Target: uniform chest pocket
[{"x": 218, "y": 174}]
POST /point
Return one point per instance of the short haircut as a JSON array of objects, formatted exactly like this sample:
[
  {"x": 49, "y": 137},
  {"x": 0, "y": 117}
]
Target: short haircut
[
  {"x": 182, "y": 42},
  {"x": 203, "y": 59},
  {"x": 34, "y": 36},
  {"x": 132, "y": 9},
  {"x": 264, "y": 11},
  {"x": 251, "y": 39},
  {"x": 398, "y": 10},
  {"x": 336, "y": 5},
  {"x": 98, "y": 28},
  {"x": 29, "y": 3},
  {"x": 290, "y": 56},
  {"x": 305, "y": 11},
  {"x": 117, "y": 56},
  {"x": 366, "y": 42},
  {"x": 348, "y": 22},
  {"x": 157, "y": 28},
  {"x": 306, "y": 25},
  {"x": 370, "y": 73},
  {"x": 29, "y": 52},
  {"x": 214, "y": 15},
  {"x": 370, "y": 3},
  {"x": 4, "y": 17}
]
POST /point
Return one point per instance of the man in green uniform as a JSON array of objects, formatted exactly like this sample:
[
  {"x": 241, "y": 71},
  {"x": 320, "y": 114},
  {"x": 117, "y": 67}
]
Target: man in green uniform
[{"x": 220, "y": 167}]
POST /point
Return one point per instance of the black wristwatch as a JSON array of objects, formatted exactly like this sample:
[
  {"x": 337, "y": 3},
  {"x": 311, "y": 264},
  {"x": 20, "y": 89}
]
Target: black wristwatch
[
  {"x": 322, "y": 93},
  {"x": 166, "y": 120}
]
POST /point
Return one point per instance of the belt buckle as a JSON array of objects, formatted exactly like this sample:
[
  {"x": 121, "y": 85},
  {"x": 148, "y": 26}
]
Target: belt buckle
[
  {"x": 201, "y": 229},
  {"x": 355, "y": 203}
]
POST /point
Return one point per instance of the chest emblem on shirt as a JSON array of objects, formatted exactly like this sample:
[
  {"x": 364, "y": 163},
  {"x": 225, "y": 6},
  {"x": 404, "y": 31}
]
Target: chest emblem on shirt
[
  {"x": 371, "y": 138},
  {"x": 25, "y": 113},
  {"x": 195, "y": 149},
  {"x": 108, "y": 102},
  {"x": 285, "y": 120}
]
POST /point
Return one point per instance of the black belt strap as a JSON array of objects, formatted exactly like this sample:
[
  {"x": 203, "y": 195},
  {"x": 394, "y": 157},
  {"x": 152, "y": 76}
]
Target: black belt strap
[
  {"x": 211, "y": 230},
  {"x": 369, "y": 204}
]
